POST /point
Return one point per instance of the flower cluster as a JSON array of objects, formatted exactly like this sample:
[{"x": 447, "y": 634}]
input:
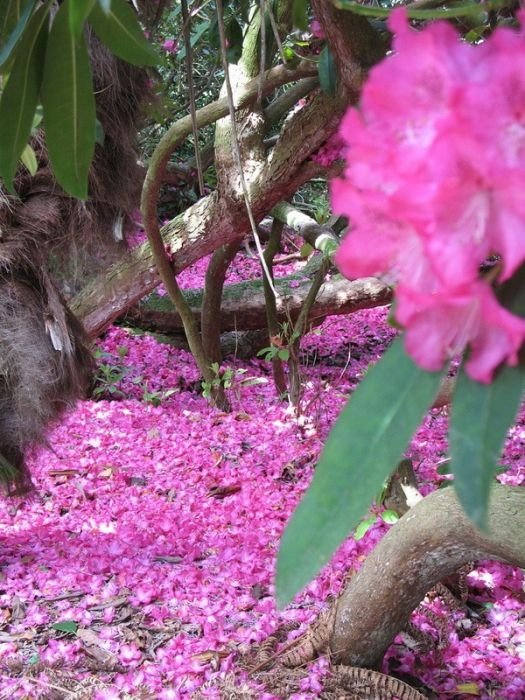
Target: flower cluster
[{"x": 434, "y": 186}]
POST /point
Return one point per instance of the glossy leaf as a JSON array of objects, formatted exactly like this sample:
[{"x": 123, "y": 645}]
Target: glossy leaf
[
  {"x": 28, "y": 158},
  {"x": 363, "y": 527},
  {"x": 120, "y": 30},
  {"x": 68, "y": 626},
  {"x": 327, "y": 71},
  {"x": 300, "y": 14},
  {"x": 363, "y": 448},
  {"x": 20, "y": 95},
  {"x": 389, "y": 517},
  {"x": 10, "y": 14},
  {"x": 9, "y": 36},
  {"x": 105, "y": 5},
  {"x": 78, "y": 12},
  {"x": 69, "y": 106},
  {"x": 480, "y": 418}
]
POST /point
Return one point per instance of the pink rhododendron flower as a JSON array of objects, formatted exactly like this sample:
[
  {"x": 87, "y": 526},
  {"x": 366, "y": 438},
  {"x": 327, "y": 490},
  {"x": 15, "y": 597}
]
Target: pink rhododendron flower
[
  {"x": 170, "y": 46},
  {"x": 434, "y": 185},
  {"x": 440, "y": 325},
  {"x": 316, "y": 29}
]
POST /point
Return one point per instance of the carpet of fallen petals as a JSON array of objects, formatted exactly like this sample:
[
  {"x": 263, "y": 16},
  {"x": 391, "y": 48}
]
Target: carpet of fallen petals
[{"x": 143, "y": 566}]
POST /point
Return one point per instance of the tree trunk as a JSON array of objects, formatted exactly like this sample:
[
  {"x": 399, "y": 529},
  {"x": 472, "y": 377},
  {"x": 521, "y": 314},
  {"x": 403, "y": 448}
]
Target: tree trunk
[
  {"x": 217, "y": 220},
  {"x": 432, "y": 541},
  {"x": 243, "y": 306}
]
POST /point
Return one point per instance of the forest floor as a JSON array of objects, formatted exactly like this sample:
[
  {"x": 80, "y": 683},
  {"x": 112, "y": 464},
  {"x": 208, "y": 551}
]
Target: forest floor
[{"x": 143, "y": 566}]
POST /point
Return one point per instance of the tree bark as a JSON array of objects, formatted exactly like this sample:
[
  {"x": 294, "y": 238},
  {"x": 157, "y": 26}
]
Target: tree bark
[
  {"x": 214, "y": 220},
  {"x": 243, "y": 306},
  {"x": 432, "y": 541}
]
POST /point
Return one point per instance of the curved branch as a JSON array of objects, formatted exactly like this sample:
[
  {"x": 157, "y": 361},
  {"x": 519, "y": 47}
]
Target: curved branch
[
  {"x": 150, "y": 193},
  {"x": 433, "y": 540}
]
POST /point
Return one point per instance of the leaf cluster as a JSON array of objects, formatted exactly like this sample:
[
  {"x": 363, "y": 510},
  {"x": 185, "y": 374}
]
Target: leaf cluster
[{"x": 44, "y": 60}]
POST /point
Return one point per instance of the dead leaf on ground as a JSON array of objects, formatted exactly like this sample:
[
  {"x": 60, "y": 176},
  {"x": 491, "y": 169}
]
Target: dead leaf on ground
[
  {"x": 167, "y": 559},
  {"x": 223, "y": 491},
  {"x": 93, "y": 645}
]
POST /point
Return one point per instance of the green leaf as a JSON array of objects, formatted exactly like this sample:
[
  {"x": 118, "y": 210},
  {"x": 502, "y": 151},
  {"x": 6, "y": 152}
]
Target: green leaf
[
  {"x": 306, "y": 250},
  {"x": 289, "y": 54},
  {"x": 28, "y": 158},
  {"x": 283, "y": 354},
  {"x": 363, "y": 527},
  {"x": 37, "y": 118},
  {"x": 20, "y": 95},
  {"x": 234, "y": 41},
  {"x": 459, "y": 10},
  {"x": 120, "y": 30},
  {"x": 389, "y": 517},
  {"x": 9, "y": 39},
  {"x": 78, "y": 12},
  {"x": 480, "y": 417},
  {"x": 363, "y": 448},
  {"x": 69, "y": 626},
  {"x": 300, "y": 14},
  {"x": 10, "y": 14},
  {"x": 69, "y": 106},
  {"x": 327, "y": 72}
]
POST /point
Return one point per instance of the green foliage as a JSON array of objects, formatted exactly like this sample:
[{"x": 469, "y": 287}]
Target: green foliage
[
  {"x": 280, "y": 344},
  {"x": 390, "y": 517},
  {"x": 363, "y": 448},
  {"x": 228, "y": 379},
  {"x": 28, "y": 158},
  {"x": 481, "y": 416},
  {"x": 121, "y": 33},
  {"x": 313, "y": 199},
  {"x": 52, "y": 66},
  {"x": 78, "y": 13},
  {"x": 67, "y": 626},
  {"x": 69, "y": 106},
  {"x": 222, "y": 378},
  {"x": 272, "y": 351},
  {"x": 13, "y": 21},
  {"x": 363, "y": 527},
  {"x": 327, "y": 72},
  {"x": 20, "y": 95},
  {"x": 108, "y": 376},
  {"x": 300, "y": 14},
  {"x": 155, "y": 398}
]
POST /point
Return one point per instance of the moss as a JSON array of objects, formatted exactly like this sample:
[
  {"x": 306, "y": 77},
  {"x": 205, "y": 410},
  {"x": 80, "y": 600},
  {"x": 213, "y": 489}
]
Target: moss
[{"x": 163, "y": 304}]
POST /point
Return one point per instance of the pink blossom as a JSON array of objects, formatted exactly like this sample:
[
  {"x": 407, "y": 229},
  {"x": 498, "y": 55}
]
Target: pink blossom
[
  {"x": 201, "y": 567},
  {"x": 440, "y": 325},
  {"x": 129, "y": 654},
  {"x": 170, "y": 46},
  {"x": 434, "y": 184},
  {"x": 316, "y": 29}
]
